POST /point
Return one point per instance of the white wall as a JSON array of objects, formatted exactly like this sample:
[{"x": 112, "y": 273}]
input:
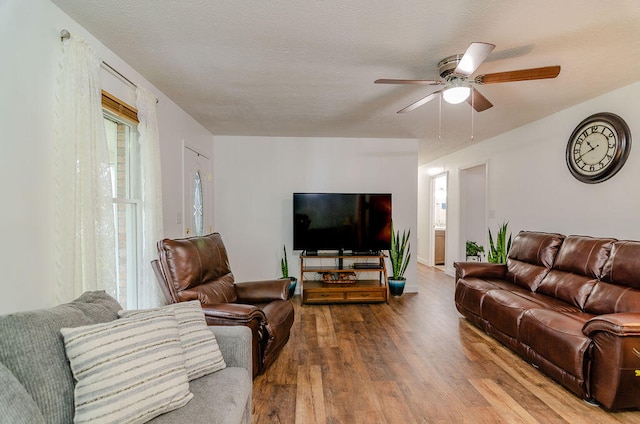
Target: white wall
[
  {"x": 530, "y": 186},
  {"x": 424, "y": 241},
  {"x": 31, "y": 49},
  {"x": 255, "y": 177}
]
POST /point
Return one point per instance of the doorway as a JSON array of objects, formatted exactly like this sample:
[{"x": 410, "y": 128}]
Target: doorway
[
  {"x": 196, "y": 194},
  {"x": 473, "y": 208},
  {"x": 439, "y": 218}
]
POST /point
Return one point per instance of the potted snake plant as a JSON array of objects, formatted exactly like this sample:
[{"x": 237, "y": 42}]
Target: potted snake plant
[
  {"x": 284, "y": 266},
  {"x": 499, "y": 250},
  {"x": 399, "y": 255}
]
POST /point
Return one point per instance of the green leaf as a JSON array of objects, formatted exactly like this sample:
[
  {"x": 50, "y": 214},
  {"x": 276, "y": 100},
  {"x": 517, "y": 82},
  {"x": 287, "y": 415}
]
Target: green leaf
[{"x": 284, "y": 265}]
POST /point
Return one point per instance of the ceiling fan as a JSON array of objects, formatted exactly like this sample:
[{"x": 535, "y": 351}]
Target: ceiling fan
[{"x": 455, "y": 75}]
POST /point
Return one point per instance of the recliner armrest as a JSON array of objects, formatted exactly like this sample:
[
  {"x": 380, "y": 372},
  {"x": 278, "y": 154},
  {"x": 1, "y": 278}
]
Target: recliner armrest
[
  {"x": 262, "y": 291},
  {"x": 480, "y": 269},
  {"x": 615, "y": 359},
  {"x": 231, "y": 313},
  {"x": 622, "y": 324}
]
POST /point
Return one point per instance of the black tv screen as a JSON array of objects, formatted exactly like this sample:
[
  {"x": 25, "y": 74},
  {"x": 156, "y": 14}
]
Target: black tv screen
[{"x": 359, "y": 222}]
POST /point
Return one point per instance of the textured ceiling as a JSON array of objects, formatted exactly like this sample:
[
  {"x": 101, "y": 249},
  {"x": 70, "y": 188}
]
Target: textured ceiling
[{"x": 306, "y": 68}]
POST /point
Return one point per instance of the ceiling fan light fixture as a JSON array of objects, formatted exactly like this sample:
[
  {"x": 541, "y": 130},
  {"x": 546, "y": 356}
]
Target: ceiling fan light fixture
[{"x": 456, "y": 92}]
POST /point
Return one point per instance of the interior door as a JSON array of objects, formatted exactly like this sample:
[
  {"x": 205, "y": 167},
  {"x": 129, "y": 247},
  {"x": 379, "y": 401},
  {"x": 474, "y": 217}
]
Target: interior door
[{"x": 198, "y": 204}]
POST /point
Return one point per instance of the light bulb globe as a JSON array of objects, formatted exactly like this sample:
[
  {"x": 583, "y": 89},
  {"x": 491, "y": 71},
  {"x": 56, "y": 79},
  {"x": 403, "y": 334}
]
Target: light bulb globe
[{"x": 456, "y": 94}]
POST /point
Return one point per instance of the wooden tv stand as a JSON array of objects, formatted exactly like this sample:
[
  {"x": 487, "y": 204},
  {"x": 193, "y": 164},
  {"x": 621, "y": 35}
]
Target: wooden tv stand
[{"x": 335, "y": 268}]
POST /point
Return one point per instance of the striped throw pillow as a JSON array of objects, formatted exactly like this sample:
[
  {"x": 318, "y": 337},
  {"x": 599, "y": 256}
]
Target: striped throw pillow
[
  {"x": 200, "y": 347},
  {"x": 128, "y": 370}
]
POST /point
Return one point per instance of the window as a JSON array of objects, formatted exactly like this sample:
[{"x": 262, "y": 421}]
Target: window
[
  {"x": 120, "y": 122},
  {"x": 198, "y": 215}
]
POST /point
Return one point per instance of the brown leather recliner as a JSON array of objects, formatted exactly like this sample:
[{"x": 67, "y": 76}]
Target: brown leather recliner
[{"x": 198, "y": 268}]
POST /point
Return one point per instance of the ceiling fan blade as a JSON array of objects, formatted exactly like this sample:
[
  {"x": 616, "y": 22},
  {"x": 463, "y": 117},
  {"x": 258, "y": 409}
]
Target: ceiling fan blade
[
  {"x": 407, "y": 81},
  {"x": 478, "y": 101},
  {"x": 520, "y": 75},
  {"x": 476, "y": 54},
  {"x": 420, "y": 102}
]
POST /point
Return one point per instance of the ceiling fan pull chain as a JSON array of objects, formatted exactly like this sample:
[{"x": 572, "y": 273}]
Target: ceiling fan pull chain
[
  {"x": 473, "y": 101},
  {"x": 439, "y": 118}
]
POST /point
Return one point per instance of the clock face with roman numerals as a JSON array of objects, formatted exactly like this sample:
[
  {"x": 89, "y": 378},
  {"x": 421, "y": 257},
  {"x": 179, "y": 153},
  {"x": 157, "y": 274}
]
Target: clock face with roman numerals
[{"x": 598, "y": 147}]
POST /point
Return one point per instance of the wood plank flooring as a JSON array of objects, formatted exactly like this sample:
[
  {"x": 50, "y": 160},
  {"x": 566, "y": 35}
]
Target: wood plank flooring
[{"x": 414, "y": 360}]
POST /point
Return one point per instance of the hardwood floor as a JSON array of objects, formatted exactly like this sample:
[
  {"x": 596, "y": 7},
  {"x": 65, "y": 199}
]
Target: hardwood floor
[{"x": 414, "y": 360}]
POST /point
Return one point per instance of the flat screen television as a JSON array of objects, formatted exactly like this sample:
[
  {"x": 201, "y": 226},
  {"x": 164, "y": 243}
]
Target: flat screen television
[{"x": 357, "y": 222}]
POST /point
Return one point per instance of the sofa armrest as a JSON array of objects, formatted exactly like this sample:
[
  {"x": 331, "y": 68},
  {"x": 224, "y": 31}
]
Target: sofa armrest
[
  {"x": 231, "y": 313},
  {"x": 622, "y": 324},
  {"x": 615, "y": 363},
  {"x": 262, "y": 291},
  {"x": 16, "y": 404},
  {"x": 235, "y": 345},
  {"x": 480, "y": 269}
]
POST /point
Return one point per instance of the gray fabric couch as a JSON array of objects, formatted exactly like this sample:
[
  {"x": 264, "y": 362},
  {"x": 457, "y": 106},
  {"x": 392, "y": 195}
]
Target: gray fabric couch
[{"x": 36, "y": 383}]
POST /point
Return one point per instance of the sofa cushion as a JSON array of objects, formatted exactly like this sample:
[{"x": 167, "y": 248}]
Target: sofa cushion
[
  {"x": 583, "y": 255},
  {"x": 32, "y": 349},
  {"x": 623, "y": 266},
  {"x": 606, "y": 298},
  {"x": 221, "y": 397},
  {"x": 16, "y": 405},
  {"x": 199, "y": 345},
  {"x": 470, "y": 292},
  {"x": 531, "y": 256},
  {"x": 558, "y": 338},
  {"x": 577, "y": 266},
  {"x": 503, "y": 310},
  {"x": 548, "y": 302},
  {"x": 128, "y": 370},
  {"x": 619, "y": 289},
  {"x": 571, "y": 288}
]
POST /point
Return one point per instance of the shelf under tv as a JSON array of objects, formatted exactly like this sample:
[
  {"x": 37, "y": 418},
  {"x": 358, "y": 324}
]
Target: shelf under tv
[
  {"x": 367, "y": 290},
  {"x": 339, "y": 254}
]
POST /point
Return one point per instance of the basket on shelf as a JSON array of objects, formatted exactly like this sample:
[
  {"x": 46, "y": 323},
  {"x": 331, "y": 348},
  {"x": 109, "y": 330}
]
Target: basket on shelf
[{"x": 338, "y": 277}]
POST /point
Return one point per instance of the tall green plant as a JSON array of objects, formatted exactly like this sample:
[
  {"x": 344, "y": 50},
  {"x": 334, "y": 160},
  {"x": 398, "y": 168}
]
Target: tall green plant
[
  {"x": 284, "y": 265},
  {"x": 400, "y": 253},
  {"x": 498, "y": 251}
]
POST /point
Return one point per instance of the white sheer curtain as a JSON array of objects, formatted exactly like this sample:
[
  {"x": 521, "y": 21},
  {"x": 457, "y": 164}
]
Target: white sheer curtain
[
  {"x": 149, "y": 294},
  {"x": 84, "y": 241}
]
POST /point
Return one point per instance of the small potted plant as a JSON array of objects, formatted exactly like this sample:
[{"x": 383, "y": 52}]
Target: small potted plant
[
  {"x": 474, "y": 251},
  {"x": 284, "y": 265},
  {"x": 399, "y": 255}
]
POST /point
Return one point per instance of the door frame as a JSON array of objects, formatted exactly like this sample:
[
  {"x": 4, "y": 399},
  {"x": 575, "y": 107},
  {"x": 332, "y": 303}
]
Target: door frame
[{"x": 432, "y": 207}]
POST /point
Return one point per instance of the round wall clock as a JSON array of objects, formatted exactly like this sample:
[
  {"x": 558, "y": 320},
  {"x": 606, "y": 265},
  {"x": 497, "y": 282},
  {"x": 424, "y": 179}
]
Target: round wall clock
[{"x": 598, "y": 147}]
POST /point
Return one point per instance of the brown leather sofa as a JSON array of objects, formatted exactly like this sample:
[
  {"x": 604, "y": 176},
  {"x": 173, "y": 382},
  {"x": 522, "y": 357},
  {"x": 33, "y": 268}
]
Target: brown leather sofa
[
  {"x": 198, "y": 268},
  {"x": 569, "y": 305}
]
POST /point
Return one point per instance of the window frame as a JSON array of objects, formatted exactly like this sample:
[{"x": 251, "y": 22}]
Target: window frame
[{"x": 120, "y": 112}]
